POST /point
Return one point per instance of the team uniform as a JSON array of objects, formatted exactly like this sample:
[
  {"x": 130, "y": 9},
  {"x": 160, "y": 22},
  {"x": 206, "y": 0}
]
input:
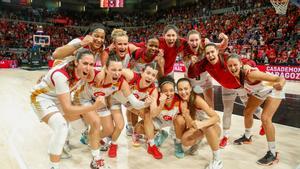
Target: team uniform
[
  {"x": 203, "y": 81},
  {"x": 97, "y": 56},
  {"x": 167, "y": 115},
  {"x": 125, "y": 60},
  {"x": 44, "y": 95},
  {"x": 139, "y": 59},
  {"x": 88, "y": 92},
  {"x": 170, "y": 54},
  {"x": 140, "y": 93},
  {"x": 231, "y": 88},
  {"x": 44, "y": 101},
  {"x": 260, "y": 90},
  {"x": 166, "y": 119}
]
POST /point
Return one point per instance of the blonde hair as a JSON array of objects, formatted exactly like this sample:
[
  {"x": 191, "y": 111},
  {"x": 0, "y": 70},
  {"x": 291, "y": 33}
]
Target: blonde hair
[{"x": 117, "y": 33}]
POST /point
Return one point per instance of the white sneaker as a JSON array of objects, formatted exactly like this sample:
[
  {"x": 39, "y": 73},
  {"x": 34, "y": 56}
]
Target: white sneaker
[{"x": 215, "y": 165}]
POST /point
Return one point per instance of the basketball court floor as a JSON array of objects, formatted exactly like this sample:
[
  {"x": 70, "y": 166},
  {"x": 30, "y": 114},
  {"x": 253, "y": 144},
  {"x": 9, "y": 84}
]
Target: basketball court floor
[{"x": 24, "y": 140}]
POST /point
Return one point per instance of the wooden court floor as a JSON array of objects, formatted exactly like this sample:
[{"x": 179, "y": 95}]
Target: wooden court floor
[{"x": 24, "y": 140}]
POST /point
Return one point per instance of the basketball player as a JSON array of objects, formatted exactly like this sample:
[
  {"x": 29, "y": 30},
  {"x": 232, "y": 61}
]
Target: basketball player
[
  {"x": 197, "y": 119},
  {"x": 93, "y": 42},
  {"x": 113, "y": 84},
  {"x": 142, "y": 86},
  {"x": 51, "y": 102},
  {"x": 215, "y": 65},
  {"x": 171, "y": 45},
  {"x": 147, "y": 53},
  {"x": 164, "y": 116},
  {"x": 270, "y": 94},
  {"x": 120, "y": 45},
  {"x": 193, "y": 52},
  {"x": 142, "y": 56}
]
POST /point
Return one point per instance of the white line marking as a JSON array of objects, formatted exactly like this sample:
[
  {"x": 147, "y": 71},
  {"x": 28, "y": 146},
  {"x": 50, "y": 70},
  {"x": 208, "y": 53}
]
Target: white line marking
[{"x": 15, "y": 152}]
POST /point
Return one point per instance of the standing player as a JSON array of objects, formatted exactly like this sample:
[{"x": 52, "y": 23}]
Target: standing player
[
  {"x": 51, "y": 102},
  {"x": 215, "y": 65},
  {"x": 270, "y": 94},
  {"x": 147, "y": 54},
  {"x": 193, "y": 52},
  {"x": 171, "y": 45},
  {"x": 93, "y": 42},
  {"x": 120, "y": 45}
]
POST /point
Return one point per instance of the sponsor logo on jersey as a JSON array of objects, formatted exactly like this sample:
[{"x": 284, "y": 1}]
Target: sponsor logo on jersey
[
  {"x": 167, "y": 118},
  {"x": 99, "y": 94}
]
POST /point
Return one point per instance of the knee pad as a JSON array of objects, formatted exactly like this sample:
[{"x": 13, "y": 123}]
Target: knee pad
[{"x": 60, "y": 132}]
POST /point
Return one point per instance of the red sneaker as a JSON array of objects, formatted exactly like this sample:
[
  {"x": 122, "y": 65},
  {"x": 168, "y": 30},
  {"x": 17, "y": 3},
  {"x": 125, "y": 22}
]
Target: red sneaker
[
  {"x": 154, "y": 151},
  {"x": 223, "y": 142},
  {"x": 262, "y": 131},
  {"x": 112, "y": 151}
]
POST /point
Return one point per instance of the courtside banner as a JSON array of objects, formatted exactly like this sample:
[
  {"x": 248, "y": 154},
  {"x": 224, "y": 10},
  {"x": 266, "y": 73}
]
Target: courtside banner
[
  {"x": 179, "y": 67},
  {"x": 288, "y": 72}
]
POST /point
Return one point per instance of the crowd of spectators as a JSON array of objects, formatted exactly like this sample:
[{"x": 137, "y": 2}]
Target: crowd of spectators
[{"x": 261, "y": 35}]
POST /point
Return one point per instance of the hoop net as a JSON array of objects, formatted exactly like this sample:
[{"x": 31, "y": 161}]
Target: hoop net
[{"x": 280, "y": 6}]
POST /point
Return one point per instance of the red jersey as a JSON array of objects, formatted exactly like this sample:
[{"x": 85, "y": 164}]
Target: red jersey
[
  {"x": 170, "y": 53},
  {"x": 218, "y": 71}
]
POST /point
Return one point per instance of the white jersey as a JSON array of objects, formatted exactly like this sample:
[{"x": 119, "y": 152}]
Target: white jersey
[
  {"x": 97, "y": 56},
  {"x": 126, "y": 60},
  {"x": 167, "y": 115},
  {"x": 261, "y": 89},
  {"x": 56, "y": 82},
  {"x": 201, "y": 83},
  {"x": 139, "y": 67},
  {"x": 140, "y": 93},
  {"x": 89, "y": 91}
]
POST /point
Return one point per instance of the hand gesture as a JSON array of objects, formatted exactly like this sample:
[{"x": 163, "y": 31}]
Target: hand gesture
[
  {"x": 148, "y": 101},
  {"x": 247, "y": 67},
  {"x": 162, "y": 98},
  {"x": 160, "y": 53},
  {"x": 88, "y": 39},
  {"x": 111, "y": 47},
  {"x": 278, "y": 86},
  {"x": 194, "y": 59},
  {"x": 223, "y": 36}
]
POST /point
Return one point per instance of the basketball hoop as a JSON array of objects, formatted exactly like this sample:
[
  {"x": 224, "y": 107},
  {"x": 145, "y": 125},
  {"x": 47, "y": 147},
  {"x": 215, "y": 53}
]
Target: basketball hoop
[{"x": 280, "y": 6}]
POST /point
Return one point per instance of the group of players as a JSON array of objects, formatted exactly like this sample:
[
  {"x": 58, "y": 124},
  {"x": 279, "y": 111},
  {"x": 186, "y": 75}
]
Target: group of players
[{"x": 91, "y": 82}]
